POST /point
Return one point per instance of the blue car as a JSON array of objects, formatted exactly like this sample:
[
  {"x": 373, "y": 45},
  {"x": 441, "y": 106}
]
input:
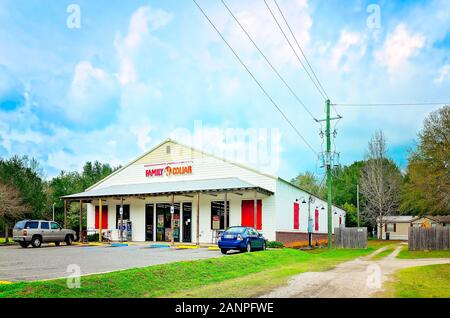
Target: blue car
[{"x": 242, "y": 238}]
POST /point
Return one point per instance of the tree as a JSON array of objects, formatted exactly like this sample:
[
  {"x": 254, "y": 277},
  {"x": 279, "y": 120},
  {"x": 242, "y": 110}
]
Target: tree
[
  {"x": 26, "y": 176},
  {"x": 11, "y": 205},
  {"x": 308, "y": 182},
  {"x": 380, "y": 183},
  {"x": 343, "y": 183},
  {"x": 427, "y": 183},
  {"x": 351, "y": 217},
  {"x": 73, "y": 182}
]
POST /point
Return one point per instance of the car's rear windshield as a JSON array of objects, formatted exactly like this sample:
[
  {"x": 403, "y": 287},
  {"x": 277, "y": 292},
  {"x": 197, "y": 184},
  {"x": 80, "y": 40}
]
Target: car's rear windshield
[
  {"x": 236, "y": 230},
  {"x": 20, "y": 225}
]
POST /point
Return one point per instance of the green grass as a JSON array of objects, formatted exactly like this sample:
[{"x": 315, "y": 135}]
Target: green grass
[
  {"x": 404, "y": 253},
  {"x": 259, "y": 272},
  {"x": 389, "y": 249},
  {"x": 421, "y": 282},
  {"x": 2, "y": 240}
]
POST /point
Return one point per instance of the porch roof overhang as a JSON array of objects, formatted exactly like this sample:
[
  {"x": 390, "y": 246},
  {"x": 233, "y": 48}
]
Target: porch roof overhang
[{"x": 183, "y": 187}]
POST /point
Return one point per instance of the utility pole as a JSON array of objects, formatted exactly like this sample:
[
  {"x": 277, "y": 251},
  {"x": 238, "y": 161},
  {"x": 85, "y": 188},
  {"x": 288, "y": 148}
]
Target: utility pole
[
  {"x": 357, "y": 201},
  {"x": 328, "y": 166}
]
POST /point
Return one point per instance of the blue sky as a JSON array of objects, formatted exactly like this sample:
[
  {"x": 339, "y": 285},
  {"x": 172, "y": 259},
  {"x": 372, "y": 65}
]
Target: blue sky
[{"x": 138, "y": 72}]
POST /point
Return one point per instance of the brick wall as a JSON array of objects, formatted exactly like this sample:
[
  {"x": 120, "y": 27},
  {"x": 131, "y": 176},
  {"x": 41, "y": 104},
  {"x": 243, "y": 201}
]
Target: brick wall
[{"x": 297, "y": 238}]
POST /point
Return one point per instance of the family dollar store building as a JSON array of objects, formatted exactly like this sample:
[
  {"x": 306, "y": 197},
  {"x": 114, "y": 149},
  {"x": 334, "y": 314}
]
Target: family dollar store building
[{"x": 175, "y": 192}]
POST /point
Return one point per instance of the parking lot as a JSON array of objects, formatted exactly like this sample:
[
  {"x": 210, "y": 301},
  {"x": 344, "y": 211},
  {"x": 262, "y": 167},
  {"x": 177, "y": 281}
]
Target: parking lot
[{"x": 47, "y": 262}]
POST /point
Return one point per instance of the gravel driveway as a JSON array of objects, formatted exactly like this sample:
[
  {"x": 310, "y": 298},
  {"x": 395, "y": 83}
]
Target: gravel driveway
[
  {"x": 359, "y": 278},
  {"x": 18, "y": 264}
]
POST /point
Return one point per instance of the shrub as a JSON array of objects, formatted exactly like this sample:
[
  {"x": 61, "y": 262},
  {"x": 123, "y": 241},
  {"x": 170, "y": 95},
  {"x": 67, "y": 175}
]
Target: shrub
[
  {"x": 275, "y": 244},
  {"x": 92, "y": 237}
]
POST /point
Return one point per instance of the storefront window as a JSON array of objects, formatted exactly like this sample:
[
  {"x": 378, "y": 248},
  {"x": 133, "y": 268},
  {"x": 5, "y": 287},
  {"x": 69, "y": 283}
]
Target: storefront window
[{"x": 218, "y": 215}]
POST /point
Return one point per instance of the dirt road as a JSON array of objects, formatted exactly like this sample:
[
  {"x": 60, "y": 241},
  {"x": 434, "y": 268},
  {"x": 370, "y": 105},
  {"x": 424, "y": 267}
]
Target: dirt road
[{"x": 361, "y": 277}]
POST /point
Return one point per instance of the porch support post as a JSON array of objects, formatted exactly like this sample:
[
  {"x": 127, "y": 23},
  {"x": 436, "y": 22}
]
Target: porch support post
[
  {"x": 65, "y": 214},
  {"x": 121, "y": 220},
  {"x": 154, "y": 222},
  {"x": 172, "y": 212},
  {"x": 180, "y": 223},
  {"x": 198, "y": 219},
  {"x": 225, "y": 212},
  {"x": 100, "y": 220},
  {"x": 81, "y": 221},
  {"x": 255, "y": 208}
]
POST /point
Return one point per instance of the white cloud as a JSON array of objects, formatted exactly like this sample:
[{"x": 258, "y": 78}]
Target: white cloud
[
  {"x": 444, "y": 74},
  {"x": 400, "y": 46},
  {"x": 14, "y": 136},
  {"x": 230, "y": 86},
  {"x": 260, "y": 25},
  {"x": 142, "y": 22},
  {"x": 142, "y": 133},
  {"x": 91, "y": 92},
  {"x": 350, "y": 47}
]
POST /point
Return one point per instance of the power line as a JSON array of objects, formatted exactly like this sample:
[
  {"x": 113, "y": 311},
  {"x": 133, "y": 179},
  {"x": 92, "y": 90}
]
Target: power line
[
  {"x": 303, "y": 53},
  {"x": 300, "y": 48},
  {"x": 254, "y": 78},
  {"x": 295, "y": 52},
  {"x": 267, "y": 60},
  {"x": 392, "y": 104}
]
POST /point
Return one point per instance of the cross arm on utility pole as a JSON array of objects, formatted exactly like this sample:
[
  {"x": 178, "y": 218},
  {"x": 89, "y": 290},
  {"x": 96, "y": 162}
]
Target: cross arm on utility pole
[{"x": 332, "y": 118}]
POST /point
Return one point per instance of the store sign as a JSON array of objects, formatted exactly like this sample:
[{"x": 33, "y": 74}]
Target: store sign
[{"x": 168, "y": 171}]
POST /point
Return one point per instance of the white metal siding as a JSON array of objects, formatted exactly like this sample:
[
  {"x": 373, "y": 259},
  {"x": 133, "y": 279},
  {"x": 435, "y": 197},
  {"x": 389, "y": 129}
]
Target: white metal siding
[
  {"x": 205, "y": 167},
  {"x": 286, "y": 195}
]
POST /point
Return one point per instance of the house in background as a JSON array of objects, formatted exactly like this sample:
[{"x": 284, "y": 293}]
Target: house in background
[
  {"x": 432, "y": 221},
  {"x": 397, "y": 226}
]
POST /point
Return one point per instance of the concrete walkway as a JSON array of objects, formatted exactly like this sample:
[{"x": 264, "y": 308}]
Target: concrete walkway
[{"x": 359, "y": 278}]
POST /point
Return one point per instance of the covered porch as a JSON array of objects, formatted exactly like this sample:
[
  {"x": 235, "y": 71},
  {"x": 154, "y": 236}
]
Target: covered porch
[{"x": 187, "y": 211}]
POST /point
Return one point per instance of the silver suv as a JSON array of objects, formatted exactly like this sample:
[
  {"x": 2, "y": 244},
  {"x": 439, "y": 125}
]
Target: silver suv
[{"x": 36, "y": 232}]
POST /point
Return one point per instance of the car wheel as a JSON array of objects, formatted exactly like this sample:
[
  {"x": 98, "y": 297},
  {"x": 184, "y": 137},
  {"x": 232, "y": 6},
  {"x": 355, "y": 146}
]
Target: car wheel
[
  {"x": 24, "y": 244},
  {"x": 57, "y": 243},
  {"x": 264, "y": 246},
  {"x": 36, "y": 242},
  {"x": 249, "y": 247},
  {"x": 223, "y": 250},
  {"x": 69, "y": 240}
]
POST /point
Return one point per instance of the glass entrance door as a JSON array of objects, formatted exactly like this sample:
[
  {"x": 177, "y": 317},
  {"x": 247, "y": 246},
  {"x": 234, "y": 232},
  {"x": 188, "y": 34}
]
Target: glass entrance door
[
  {"x": 187, "y": 222},
  {"x": 163, "y": 222}
]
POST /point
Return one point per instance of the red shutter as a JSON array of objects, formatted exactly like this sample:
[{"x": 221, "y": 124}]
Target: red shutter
[
  {"x": 247, "y": 214},
  {"x": 104, "y": 217},
  {"x": 296, "y": 216},
  {"x": 316, "y": 221},
  {"x": 340, "y": 220},
  {"x": 259, "y": 215}
]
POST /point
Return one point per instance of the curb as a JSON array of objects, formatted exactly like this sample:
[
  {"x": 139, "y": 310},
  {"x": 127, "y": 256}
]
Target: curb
[
  {"x": 186, "y": 247},
  {"x": 5, "y": 282}
]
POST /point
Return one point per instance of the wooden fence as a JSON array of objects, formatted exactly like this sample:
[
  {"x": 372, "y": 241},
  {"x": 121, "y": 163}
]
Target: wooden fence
[
  {"x": 435, "y": 238},
  {"x": 350, "y": 237}
]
